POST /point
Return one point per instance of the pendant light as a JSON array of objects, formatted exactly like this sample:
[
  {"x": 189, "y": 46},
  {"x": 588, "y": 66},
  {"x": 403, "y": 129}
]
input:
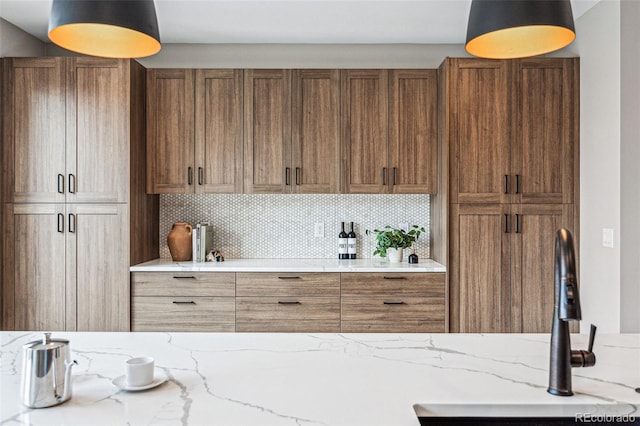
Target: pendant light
[
  {"x": 505, "y": 29},
  {"x": 111, "y": 29}
]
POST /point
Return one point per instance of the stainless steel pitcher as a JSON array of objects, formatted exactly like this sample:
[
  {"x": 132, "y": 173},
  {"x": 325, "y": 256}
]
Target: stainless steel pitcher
[{"x": 46, "y": 372}]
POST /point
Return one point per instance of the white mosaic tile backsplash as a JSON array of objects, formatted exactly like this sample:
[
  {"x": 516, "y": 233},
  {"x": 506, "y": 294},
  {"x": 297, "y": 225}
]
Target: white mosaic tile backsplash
[{"x": 282, "y": 226}]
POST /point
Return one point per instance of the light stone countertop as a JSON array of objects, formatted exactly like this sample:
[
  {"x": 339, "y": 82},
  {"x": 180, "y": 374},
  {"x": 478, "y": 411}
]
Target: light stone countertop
[
  {"x": 288, "y": 265},
  {"x": 315, "y": 379}
]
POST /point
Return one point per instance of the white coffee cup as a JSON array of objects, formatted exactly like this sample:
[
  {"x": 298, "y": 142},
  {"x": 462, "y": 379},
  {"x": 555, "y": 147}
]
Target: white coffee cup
[{"x": 139, "y": 371}]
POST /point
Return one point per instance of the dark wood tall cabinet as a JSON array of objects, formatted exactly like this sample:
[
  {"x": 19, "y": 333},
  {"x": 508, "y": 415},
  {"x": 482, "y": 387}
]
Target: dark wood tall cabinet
[
  {"x": 509, "y": 157},
  {"x": 73, "y": 188}
]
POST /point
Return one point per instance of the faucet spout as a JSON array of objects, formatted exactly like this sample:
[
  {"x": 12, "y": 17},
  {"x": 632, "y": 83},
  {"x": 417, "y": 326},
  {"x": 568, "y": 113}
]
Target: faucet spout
[{"x": 566, "y": 308}]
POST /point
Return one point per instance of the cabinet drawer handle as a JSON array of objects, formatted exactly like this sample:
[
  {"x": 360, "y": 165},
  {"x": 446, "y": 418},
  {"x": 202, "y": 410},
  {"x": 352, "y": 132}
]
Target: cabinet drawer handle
[
  {"x": 518, "y": 230},
  {"x": 287, "y": 178},
  {"x": 287, "y": 302},
  {"x": 72, "y": 222},
  {"x": 395, "y": 278},
  {"x": 189, "y": 175},
  {"x": 507, "y": 184},
  {"x": 60, "y": 183},
  {"x": 384, "y": 176},
  {"x": 298, "y": 175},
  {"x": 289, "y": 278},
  {"x": 72, "y": 183},
  {"x": 178, "y": 302},
  {"x": 200, "y": 175},
  {"x": 395, "y": 173},
  {"x": 517, "y": 184},
  {"x": 188, "y": 277},
  {"x": 506, "y": 223},
  {"x": 394, "y": 303},
  {"x": 60, "y": 222}
]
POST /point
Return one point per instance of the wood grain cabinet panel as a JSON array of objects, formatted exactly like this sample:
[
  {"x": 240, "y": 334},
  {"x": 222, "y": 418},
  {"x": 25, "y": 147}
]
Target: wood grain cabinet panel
[
  {"x": 183, "y": 283},
  {"x": 287, "y": 284},
  {"x": 288, "y": 314},
  {"x": 393, "y": 314},
  {"x": 170, "y": 131},
  {"x": 413, "y": 139},
  {"x": 393, "y": 284},
  {"x": 183, "y": 314}
]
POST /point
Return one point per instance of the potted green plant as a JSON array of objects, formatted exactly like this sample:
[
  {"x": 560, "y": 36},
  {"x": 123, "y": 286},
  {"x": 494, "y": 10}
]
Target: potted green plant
[{"x": 390, "y": 241}]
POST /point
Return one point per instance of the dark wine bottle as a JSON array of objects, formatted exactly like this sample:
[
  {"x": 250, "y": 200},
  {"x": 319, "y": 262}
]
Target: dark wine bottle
[
  {"x": 351, "y": 243},
  {"x": 343, "y": 243}
]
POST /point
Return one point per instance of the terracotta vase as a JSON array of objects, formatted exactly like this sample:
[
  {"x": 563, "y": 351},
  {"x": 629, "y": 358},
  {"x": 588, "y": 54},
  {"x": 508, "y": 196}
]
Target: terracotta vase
[{"x": 179, "y": 241}]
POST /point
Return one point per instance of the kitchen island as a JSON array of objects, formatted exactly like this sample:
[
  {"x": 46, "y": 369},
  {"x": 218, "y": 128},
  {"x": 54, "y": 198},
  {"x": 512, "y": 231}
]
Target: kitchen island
[{"x": 306, "y": 379}]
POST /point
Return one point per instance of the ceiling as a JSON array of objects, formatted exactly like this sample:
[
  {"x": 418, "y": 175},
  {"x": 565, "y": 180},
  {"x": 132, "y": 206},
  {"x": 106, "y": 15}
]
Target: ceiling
[{"x": 293, "y": 21}]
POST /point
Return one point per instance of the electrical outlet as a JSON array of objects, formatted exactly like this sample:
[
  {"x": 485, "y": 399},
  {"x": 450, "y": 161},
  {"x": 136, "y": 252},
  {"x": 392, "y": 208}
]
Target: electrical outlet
[
  {"x": 607, "y": 237},
  {"x": 318, "y": 230},
  {"x": 404, "y": 226}
]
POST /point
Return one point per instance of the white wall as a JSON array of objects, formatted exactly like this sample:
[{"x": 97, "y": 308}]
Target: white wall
[
  {"x": 630, "y": 168},
  {"x": 598, "y": 45},
  {"x": 15, "y": 42}
]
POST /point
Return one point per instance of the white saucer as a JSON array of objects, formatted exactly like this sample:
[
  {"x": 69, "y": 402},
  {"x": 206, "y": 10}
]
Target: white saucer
[{"x": 159, "y": 377}]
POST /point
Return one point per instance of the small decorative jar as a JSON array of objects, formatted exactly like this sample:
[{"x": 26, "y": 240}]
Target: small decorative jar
[{"x": 179, "y": 241}]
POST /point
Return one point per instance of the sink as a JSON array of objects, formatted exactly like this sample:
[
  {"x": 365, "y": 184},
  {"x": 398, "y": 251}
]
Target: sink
[{"x": 527, "y": 414}]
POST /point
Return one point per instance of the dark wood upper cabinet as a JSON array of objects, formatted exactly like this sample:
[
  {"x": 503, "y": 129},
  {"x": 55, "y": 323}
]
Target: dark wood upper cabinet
[
  {"x": 413, "y": 131},
  {"x": 365, "y": 147},
  {"x": 170, "y": 131},
  {"x": 315, "y": 131},
  {"x": 267, "y": 131},
  {"x": 218, "y": 131}
]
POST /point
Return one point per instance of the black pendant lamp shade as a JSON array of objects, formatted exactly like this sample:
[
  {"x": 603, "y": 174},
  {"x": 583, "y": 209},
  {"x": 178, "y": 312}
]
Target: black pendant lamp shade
[
  {"x": 505, "y": 29},
  {"x": 109, "y": 28}
]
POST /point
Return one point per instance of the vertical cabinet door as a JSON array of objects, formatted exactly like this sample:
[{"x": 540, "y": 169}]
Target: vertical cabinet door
[
  {"x": 34, "y": 130},
  {"x": 34, "y": 267},
  {"x": 316, "y": 131},
  {"x": 533, "y": 251},
  {"x": 170, "y": 130},
  {"x": 545, "y": 152},
  {"x": 480, "y": 131},
  {"x": 218, "y": 131},
  {"x": 365, "y": 154},
  {"x": 413, "y": 126},
  {"x": 97, "y": 267},
  {"x": 480, "y": 274},
  {"x": 267, "y": 134},
  {"x": 98, "y": 130}
]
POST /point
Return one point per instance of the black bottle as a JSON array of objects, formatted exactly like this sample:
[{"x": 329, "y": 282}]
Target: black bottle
[
  {"x": 351, "y": 242},
  {"x": 413, "y": 257},
  {"x": 343, "y": 243}
]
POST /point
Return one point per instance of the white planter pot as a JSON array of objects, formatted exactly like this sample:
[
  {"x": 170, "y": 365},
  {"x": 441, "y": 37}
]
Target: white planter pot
[{"x": 394, "y": 255}]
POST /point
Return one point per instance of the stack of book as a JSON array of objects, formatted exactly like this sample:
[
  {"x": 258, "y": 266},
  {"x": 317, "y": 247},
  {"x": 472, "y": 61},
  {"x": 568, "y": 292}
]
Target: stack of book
[{"x": 202, "y": 241}]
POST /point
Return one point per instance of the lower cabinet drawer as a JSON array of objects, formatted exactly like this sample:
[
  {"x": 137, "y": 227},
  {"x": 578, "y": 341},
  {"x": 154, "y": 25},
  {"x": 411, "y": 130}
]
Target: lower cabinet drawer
[
  {"x": 288, "y": 314},
  {"x": 393, "y": 315},
  {"x": 182, "y": 314}
]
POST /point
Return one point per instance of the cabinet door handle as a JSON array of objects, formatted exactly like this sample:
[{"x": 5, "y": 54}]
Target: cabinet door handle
[
  {"x": 384, "y": 176},
  {"x": 287, "y": 178},
  {"x": 60, "y": 222},
  {"x": 187, "y": 277},
  {"x": 394, "y": 303},
  {"x": 395, "y": 173},
  {"x": 517, "y": 184},
  {"x": 518, "y": 230},
  {"x": 72, "y": 222},
  {"x": 189, "y": 175},
  {"x": 506, "y": 223},
  {"x": 288, "y": 302},
  {"x": 395, "y": 278},
  {"x": 72, "y": 183},
  {"x": 507, "y": 184},
  {"x": 60, "y": 183},
  {"x": 200, "y": 175},
  {"x": 179, "y": 302},
  {"x": 298, "y": 175},
  {"x": 289, "y": 278}
]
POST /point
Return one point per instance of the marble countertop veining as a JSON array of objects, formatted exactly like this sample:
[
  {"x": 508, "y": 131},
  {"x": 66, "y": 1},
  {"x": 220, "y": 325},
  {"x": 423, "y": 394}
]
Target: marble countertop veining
[
  {"x": 288, "y": 265},
  {"x": 312, "y": 379}
]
